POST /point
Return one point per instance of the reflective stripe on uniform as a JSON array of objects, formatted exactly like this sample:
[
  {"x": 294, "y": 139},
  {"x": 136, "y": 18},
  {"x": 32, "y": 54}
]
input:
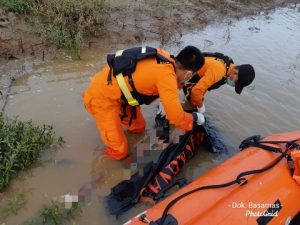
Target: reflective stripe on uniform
[{"x": 122, "y": 84}]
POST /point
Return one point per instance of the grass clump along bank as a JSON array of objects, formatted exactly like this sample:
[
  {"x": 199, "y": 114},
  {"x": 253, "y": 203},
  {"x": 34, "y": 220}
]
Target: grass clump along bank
[
  {"x": 56, "y": 214},
  {"x": 18, "y": 6},
  {"x": 13, "y": 205},
  {"x": 61, "y": 22},
  {"x": 21, "y": 144}
]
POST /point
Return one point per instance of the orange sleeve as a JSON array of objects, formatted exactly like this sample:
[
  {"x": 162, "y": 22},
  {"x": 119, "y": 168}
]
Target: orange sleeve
[
  {"x": 211, "y": 76},
  {"x": 169, "y": 96}
]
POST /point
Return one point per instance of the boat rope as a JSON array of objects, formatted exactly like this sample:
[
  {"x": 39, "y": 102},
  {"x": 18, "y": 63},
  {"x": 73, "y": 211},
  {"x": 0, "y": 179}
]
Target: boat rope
[{"x": 240, "y": 179}]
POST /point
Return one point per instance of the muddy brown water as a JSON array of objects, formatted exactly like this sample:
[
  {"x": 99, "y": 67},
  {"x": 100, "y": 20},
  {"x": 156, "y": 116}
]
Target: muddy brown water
[{"x": 50, "y": 92}]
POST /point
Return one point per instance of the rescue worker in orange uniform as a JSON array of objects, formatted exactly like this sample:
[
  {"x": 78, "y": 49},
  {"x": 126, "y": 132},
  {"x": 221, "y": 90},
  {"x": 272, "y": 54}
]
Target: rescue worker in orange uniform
[
  {"x": 134, "y": 77},
  {"x": 217, "y": 70}
]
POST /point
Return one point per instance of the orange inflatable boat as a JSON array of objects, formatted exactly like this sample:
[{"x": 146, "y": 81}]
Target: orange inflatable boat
[{"x": 258, "y": 186}]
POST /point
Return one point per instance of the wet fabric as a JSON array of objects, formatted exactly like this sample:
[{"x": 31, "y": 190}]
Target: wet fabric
[
  {"x": 210, "y": 76},
  {"x": 157, "y": 176},
  {"x": 107, "y": 114},
  {"x": 175, "y": 161},
  {"x": 126, "y": 63},
  {"x": 105, "y": 102}
]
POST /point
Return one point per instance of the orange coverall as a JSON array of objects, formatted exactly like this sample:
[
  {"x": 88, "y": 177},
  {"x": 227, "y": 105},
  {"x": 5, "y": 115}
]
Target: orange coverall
[
  {"x": 104, "y": 102},
  {"x": 212, "y": 71}
]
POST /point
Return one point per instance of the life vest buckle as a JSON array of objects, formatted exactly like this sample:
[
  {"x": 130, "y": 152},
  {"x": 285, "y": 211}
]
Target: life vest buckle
[{"x": 133, "y": 102}]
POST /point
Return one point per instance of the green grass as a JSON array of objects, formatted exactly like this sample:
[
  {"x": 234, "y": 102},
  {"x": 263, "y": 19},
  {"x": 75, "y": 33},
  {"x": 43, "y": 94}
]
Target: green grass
[
  {"x": 13, "y": 205},
  {"x": 31, "y": 222},
  {"x": 56, "y": 214},
  {"x": 17, "y": 6},
  {"x": 16, "y": 202},
  {"x": 64, "y": 23},
  {"x": 21, "y": 144},
  {"x": 52, "y": 215}
]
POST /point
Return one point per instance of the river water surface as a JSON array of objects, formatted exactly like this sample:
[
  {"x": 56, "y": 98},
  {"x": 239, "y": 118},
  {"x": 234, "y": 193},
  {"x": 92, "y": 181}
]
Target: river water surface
[{"x": 50, "y": 92}]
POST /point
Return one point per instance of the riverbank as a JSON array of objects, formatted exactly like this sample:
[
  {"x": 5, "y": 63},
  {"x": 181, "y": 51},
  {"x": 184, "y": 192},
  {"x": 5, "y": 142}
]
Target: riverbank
[{"x": 129, "y": 23}]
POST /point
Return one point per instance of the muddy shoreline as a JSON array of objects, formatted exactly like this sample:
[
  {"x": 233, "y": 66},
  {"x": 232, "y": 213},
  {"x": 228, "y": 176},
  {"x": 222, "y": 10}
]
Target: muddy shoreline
[
  {"x": 132, "y": 23},
  {"x": 50, "y": 92}
]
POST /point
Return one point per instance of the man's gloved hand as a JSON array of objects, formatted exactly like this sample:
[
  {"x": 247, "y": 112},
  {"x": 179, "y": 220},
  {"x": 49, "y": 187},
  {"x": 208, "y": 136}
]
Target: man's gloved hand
[
  {"x": 198, "y": 118},
  {"x": 201, "y": 109},
  {"x": 160, "y": 110}
]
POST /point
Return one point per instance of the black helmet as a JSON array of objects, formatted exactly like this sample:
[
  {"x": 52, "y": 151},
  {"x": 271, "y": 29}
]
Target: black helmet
[{"x": 246, "y": 75}]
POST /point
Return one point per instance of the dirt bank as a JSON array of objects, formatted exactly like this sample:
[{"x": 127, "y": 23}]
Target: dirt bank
[{"x": 132, "y": 22}]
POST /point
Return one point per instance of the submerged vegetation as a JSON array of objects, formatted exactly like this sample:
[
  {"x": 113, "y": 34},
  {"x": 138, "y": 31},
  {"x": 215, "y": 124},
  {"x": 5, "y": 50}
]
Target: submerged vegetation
[
  {"x": 21, "y": 144},
  {"x": 56, "y": 214},
  {"x": 13, "y": 205}
]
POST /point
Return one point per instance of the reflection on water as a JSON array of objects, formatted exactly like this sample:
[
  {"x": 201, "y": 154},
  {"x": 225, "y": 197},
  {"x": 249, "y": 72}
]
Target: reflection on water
[
  {"x": 272, "y": 44},
  {"x": 50, "y": 92}
]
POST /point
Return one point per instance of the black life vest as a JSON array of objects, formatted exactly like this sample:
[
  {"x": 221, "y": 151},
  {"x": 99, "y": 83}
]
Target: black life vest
[
  {"x": 192, "y": 82},
  {"x": 126, "y": 64},
  {"x": 227, "y": 61}
]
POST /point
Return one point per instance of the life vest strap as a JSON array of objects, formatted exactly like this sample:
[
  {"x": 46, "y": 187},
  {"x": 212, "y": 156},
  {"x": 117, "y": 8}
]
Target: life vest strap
[
  {"x": 241, "y": 178},
  {"x": 123, "y": 86}
]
